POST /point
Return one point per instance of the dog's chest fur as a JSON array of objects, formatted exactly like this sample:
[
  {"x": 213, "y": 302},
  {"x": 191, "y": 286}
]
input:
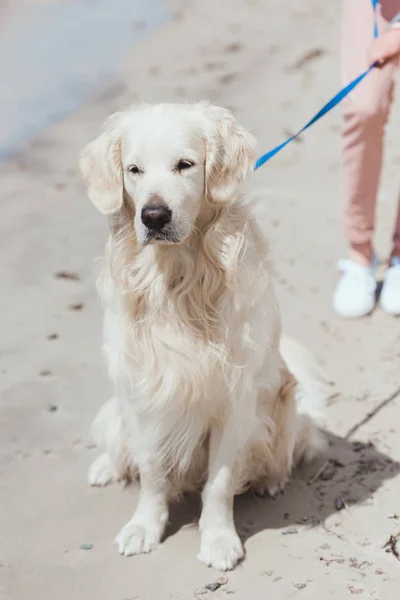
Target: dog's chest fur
[{"x": 182, "y": 323}]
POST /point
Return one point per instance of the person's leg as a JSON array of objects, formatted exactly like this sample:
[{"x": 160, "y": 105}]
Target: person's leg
[
  {"x": 365, "y": 114},
  {"x": 396, "y": 236},
  {"x": 390, "y": 295}
]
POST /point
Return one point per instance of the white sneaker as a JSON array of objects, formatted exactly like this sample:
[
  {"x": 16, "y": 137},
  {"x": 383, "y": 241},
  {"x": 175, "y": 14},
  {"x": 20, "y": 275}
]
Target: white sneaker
[
  {"x": 355, "y": 293},
  {"x": 390, "y": 295}
]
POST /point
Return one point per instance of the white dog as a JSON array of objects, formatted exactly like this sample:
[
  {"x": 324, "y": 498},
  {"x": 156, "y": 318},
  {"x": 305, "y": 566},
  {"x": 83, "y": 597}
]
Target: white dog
[{"x": 203, "y": 398}]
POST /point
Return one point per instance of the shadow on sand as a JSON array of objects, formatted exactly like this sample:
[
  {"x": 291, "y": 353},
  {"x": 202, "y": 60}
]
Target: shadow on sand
[{"x": 355, "y": 471}]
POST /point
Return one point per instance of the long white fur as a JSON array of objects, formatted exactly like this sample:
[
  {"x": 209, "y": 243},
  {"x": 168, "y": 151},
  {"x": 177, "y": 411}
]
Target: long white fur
[{"x": 203, "y": 399}]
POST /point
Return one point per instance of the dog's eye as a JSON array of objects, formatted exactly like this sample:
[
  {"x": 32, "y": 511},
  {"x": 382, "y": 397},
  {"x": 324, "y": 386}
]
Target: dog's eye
[
  {"x": 184, "y": 164},
  {"x": 134, "y": 169}
]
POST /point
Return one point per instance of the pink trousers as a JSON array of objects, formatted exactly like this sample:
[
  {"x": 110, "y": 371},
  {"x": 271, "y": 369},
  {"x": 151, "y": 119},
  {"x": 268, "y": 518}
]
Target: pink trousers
[{"x": 366, "y": 111}]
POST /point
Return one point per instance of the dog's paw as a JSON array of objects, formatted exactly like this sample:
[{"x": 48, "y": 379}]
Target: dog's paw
[
  {"x": 100, "y": 471},
  {"x": 221, "y": 549},
  {"x": 135, "y": 538},
  {"x": 270, "y": 487}
]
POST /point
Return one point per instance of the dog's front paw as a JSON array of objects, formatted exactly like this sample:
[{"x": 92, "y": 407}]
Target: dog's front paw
[
  {"x": 138, "y": 538},
  {"x": 221, "y": 549},
  {"x": 100, "y": 471}
]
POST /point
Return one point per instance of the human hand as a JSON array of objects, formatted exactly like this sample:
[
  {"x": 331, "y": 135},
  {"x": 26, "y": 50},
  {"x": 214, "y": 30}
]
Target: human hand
[{"x": 386, "y": 47}]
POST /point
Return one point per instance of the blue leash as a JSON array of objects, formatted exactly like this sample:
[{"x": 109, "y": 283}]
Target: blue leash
[{"x": 328, "y": 106}]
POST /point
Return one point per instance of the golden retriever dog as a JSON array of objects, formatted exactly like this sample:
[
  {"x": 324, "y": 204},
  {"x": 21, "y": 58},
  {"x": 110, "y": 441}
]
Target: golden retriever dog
[{"x": 203, "y": 399}]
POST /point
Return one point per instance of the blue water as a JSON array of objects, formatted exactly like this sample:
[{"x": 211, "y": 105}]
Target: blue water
[{"x": 60, "y": 54}]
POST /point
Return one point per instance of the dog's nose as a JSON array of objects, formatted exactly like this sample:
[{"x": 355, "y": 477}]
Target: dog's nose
[{"x": 156, "y": 216}]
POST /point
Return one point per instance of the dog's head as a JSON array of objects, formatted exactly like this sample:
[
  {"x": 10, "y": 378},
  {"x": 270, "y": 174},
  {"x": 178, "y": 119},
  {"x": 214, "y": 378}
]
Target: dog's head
[{"x": 167, "y": 161}]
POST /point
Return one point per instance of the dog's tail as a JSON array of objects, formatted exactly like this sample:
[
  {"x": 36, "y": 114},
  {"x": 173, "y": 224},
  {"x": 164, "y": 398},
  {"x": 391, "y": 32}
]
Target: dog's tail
[{"x": 314, "y": 389}]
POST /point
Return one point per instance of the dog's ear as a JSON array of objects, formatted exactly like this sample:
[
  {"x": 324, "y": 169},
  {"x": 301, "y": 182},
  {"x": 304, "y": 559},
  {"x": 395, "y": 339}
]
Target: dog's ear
[
  {"x": 101, "y": 168},
  {"x": 230, "y": 155}
]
